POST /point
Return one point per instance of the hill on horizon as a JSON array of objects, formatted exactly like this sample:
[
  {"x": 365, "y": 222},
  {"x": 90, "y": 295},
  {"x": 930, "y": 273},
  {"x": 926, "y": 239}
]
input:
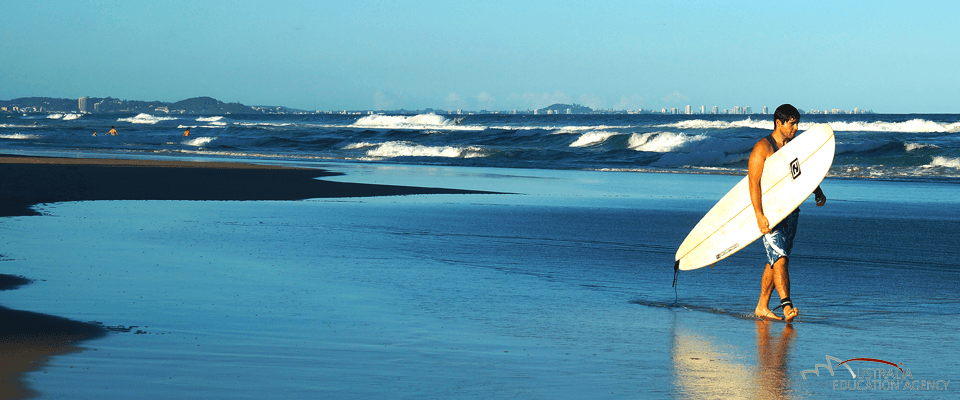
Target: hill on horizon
[{"x": 106, "y": 105}]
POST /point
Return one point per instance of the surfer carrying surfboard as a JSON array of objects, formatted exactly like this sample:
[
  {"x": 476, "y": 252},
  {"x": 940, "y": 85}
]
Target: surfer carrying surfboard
[{"x": 777, "y": 240}]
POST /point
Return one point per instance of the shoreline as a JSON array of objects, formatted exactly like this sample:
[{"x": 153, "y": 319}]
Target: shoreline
[
  {"x": 28, "y": 181},
  {"x": 29, "y": 339}
]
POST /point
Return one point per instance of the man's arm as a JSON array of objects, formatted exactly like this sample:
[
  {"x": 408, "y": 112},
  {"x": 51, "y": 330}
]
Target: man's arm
[{"x": 758, "y": 157}]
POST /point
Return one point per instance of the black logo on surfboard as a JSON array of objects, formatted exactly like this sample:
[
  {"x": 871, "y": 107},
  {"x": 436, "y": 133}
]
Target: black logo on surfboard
[{"x": 795, "y": 168}]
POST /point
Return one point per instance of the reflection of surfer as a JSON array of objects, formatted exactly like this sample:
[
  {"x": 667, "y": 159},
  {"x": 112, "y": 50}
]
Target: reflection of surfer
[
  {"x": 113, "y": 131},
  {"x": 186, "y": 132},
  {"x": 773, "y": 354},
  {"x": 777, "y": 240}
]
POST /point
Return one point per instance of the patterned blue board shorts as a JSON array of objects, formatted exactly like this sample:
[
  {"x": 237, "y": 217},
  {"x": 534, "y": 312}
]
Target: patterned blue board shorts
[{"x": 779, "y": 241}]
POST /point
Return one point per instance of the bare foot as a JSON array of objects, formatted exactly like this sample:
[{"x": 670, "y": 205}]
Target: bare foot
[
  {"x": 790, "y": 313},
  {"x": 765, "y": 313}
]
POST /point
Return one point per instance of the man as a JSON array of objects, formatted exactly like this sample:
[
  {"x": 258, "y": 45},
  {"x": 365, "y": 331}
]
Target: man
[{"x": 777, "y": 240}]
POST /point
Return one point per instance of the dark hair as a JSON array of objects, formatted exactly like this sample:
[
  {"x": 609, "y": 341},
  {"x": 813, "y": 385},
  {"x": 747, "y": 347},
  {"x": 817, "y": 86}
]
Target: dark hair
[{"x": 784, "y": 113}]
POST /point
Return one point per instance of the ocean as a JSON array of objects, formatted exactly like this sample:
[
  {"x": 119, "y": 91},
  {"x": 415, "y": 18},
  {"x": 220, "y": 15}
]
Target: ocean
[
  {"x": 871, "y": 146},
  {"x": 556, "y": 286}
]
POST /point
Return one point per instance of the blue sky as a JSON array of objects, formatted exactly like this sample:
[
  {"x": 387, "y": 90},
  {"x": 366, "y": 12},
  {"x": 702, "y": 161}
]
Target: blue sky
[{"x": 889, "y": 57}]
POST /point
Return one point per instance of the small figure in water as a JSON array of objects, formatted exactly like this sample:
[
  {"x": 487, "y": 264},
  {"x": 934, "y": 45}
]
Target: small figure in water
[
  {"x": 113, "y": 131},
  {"x": 186, "y": 132}
]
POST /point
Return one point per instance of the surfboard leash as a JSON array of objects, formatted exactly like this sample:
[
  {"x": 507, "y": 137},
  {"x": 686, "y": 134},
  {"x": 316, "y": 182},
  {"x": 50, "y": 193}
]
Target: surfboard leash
[{"x": 676, "y": 271}]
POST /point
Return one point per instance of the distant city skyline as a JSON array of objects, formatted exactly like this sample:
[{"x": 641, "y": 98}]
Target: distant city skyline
[{"x": 85, "y": 104}]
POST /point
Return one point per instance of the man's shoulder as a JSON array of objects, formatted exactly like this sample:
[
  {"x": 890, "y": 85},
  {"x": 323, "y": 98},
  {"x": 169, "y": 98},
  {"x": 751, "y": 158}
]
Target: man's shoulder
[
  {"x": 761, "y": 151},
  {"x": 762, "y": 148}
]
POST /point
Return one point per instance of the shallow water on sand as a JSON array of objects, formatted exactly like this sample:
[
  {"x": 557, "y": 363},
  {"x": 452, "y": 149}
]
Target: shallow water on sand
[{"x": 559, "y": 291}]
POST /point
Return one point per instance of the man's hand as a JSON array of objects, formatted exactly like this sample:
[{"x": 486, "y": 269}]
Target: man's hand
[
  {"x": 819, "y": 197},
  {"x": 763, "y": 224}
]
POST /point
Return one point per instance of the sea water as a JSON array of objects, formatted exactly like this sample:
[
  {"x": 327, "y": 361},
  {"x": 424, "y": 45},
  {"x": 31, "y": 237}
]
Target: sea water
[{"x": 884, "y": 146}]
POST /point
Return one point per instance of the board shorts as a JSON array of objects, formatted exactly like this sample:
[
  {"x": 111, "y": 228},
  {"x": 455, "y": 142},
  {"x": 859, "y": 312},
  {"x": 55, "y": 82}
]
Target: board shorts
[{"x": 779, "y": 241}]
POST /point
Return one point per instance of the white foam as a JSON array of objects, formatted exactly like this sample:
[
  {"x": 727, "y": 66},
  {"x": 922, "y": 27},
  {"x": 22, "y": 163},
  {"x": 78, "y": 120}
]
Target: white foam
[
  {"x": 399, "y": 121},
  {"x": 275, "y": 124},
  {"x": 707, "y": 124},
  {"x": 421, "y": 121},
  {"x": 210, "y": 119},
  {"x": 361, "y": 145},
  {"x": 913, "y": 125},
  {"x": 19, "y": 136},
  {"x": 65, "y": 117},
  {"x": 592, "y": 138},
  {"x": 948, "y": 162},
  {"x": 919, "y": 146},
  {"x": 145, "y": 119},
  {"x": 199, "y": 142},
  {"x": 661, "y": 142},
  {"x": 407, "y": 149},
  {"x": 578, "y": 129}
]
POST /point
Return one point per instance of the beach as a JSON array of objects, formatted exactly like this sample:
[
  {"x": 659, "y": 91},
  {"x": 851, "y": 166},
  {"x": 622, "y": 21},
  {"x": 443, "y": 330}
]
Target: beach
[{"x": 361, "y": 280}]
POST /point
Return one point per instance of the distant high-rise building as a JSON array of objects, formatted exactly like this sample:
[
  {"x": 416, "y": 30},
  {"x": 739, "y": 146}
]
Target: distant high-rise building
[
  {"x": 715, "y": 110},
  {"x": 688, "y": 110},
  {"x": 765, "y": 110},
  {"x": 703, "y": 109},
  {"x": 84, "y": 104}
]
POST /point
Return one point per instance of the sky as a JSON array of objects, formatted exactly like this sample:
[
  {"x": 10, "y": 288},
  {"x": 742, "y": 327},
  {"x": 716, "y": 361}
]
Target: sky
[{"x": 885, "y": 56}]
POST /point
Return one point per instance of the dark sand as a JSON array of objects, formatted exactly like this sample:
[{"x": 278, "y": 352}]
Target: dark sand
[
  {"x": 28, "y": 339},
  {"x": 28, "y": 181}
]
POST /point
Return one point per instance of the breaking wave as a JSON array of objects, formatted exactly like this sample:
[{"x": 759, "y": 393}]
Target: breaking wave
[
  {"x": 403, "y": 122},
  {"x": 913, "y": 126},
  {"x": 199, "y": 142},
  {"x": 661, "y": 142},
  {"x": 145, "y": 119},
  {"x": 706, "y": 124},
  {"x": 919, "y": 146},
  {"x": 19, "y": 136},
  {"x": 945, "y": 162},
  {"x": 592, "y": 138},
  {"x": 407, "y": 149}
]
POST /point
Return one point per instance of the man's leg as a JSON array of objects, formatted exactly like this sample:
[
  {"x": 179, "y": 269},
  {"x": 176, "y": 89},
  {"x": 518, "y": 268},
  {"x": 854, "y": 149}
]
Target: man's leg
[
  {"x": 766, "y": 290},
  {"x": 781, "y": 279}
]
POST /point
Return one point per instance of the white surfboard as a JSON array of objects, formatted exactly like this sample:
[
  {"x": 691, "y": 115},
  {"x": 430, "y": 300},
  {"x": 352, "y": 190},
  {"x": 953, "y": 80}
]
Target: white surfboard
[{"x": 789, "y": 176}]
